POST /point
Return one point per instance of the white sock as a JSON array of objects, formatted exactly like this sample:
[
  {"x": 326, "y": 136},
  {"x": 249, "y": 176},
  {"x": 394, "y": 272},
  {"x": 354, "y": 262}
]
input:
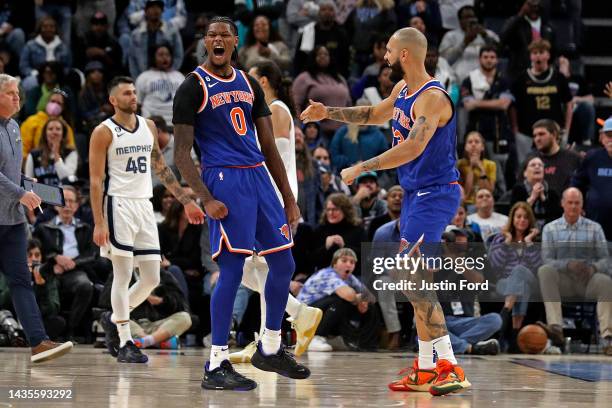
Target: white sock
[
  {"x": 293, "y": 306},
  {"x": 217, "y": 355},
  {"x": 125, "y": 334},
  {"x": 270, "y": 341},
  {"x": 444, "y": 349},
  {"x": 426, "y": 355}
]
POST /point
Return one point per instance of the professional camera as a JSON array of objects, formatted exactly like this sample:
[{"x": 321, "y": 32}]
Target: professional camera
[{"x": 12, "y": 329}]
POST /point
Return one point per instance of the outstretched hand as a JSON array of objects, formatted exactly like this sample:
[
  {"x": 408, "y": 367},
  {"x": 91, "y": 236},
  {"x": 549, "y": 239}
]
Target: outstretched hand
[{"x": 314, "y": 112}]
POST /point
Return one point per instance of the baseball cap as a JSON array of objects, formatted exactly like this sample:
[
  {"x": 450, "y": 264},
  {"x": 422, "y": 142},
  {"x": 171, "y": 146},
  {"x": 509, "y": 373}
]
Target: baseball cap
[
  {"x": 366, "y": 175},
  {"x": 607, "y": 125}
]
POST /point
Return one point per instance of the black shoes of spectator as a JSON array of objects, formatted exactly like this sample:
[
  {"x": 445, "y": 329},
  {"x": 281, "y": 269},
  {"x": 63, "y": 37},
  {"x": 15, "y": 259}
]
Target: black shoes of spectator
[
  {"x": 282, "y": 363},
  {"x": 131, "y": 354},
  {"x": 110, "y": 333},
  {"x": 487, "y": 347},
  {"x": 225, "y": 377}
]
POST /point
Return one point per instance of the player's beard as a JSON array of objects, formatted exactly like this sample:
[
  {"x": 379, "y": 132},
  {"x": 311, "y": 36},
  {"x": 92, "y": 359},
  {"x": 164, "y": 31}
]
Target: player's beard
[
  {"x": 397, "y": 73},
  {"x": 127, "y": 109}
]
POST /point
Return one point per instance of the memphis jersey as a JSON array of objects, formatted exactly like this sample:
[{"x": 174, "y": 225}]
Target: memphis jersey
[
  {"x": 436, "y": 165},
  {"x": 128, "y": 160},
  {"x": 224, "y": 128}
]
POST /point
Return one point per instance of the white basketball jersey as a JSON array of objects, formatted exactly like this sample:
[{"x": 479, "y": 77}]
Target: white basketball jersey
[
  {"x": 128, "y": 160},
  {"x": 290, "y": 166}
]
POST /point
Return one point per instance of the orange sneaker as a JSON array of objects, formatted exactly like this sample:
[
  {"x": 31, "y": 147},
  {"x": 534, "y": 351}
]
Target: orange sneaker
[
  {"x": 418, "y": 380},
  {"x": 450, "y": 378}
]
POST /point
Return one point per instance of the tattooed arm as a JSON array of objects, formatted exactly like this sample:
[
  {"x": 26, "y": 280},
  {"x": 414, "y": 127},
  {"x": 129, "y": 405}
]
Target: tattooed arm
[
  {"x": 363, "y": 115},
  {"x": 432, "y": 109},
  {"x": 166, "y": 176}
]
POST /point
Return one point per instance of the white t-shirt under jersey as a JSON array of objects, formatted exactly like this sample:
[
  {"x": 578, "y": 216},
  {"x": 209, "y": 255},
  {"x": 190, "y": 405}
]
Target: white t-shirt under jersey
[{"x": 128, "y": 160}]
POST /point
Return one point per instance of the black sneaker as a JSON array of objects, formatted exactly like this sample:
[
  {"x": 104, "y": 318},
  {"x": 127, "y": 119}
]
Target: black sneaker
[
  {"x": 110, "y": 333},
  {"x": 488, "y": 347},
  {"x": 282, "y": 363},
  {"x": 225, "y": 377},
  {"x": 131, "y": 354}
]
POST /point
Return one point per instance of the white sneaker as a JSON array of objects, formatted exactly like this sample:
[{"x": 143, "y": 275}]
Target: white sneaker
[
  {"x": 244, "y": 355},
  {"x": 319, "y": 343},
  {"x": 305, "y": 325}
]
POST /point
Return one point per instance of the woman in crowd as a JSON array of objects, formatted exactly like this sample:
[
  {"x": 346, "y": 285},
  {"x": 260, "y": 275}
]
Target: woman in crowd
[
  {"x": 514, "y": 261},
  {"x": 338, "y": 228},
  {"x": 264, "y": 43},
  {"x": 544, "y": 201},
  {"x": 54, "y": 160},
  {"x": 476, "y": 172},
  {"x": 322, "y": 83},
  {"x": 56, "y": 108}
]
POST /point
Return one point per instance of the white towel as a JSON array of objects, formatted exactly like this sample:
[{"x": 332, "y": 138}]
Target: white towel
[{"x": 479, "y": 83}]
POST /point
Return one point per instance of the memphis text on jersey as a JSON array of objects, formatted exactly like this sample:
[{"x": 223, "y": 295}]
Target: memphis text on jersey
[{"x": 133, "y": 149}]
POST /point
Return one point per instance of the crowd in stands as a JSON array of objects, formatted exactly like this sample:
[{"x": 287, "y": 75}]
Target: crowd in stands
[{"x": 535, "y": 168}]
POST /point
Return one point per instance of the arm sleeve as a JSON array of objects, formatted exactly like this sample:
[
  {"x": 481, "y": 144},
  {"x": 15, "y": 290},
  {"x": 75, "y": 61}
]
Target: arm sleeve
[
  {"x": 549, "y": 255},
  {"x": 187, "y": 100},
  {"x": 260, "y": 107},
  {"x": 491, "y": 171}
]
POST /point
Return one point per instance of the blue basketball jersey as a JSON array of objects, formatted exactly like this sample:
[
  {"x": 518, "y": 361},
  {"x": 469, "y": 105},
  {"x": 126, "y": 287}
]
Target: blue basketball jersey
[
  {"x": 437, "y": 164},
  {"x": 224, "y": 127}
]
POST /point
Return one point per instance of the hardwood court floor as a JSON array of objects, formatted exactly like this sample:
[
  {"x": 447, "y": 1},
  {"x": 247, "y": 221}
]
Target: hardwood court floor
[{"x": 339, "y": 379}]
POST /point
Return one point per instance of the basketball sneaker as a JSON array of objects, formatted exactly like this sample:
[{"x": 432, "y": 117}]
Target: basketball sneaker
[
  {"x": 282, "y": 363},
  {"x": 111, "y": 335},
  {"x": 225, "y": 377},
  {"x": 244, "y": 355},
  {"x": 305, "y": 325},
  {"x": 417, "y": 381},
  {"x": 129, "y": 353},
  {"x": 451, "y": 378}
]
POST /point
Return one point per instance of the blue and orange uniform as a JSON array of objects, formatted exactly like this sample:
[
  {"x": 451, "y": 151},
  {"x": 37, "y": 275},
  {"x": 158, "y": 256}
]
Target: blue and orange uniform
[
  {"x": 223, "y": 113},
  {"x": 432, "y": 193},
  {"x": 232, "y": 167}
]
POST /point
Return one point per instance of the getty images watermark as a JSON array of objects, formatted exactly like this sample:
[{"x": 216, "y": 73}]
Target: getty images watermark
[
  {"x": 406, "y": 265},
  {"x": 488, "y": 272}
]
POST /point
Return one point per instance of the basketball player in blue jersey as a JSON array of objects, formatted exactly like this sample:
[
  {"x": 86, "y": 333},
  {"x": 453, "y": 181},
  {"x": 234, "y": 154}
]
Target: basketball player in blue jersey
[
  {"x": 225, "y": 111},
  {"x": 123, "y": 152},
  {"x": 424, "y": 145}
]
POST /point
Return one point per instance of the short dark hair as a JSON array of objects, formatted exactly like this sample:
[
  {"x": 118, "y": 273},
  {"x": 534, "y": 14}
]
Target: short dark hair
[
  {"x": 462, "y": 9},
  {"x": 225, "y": 20},
  {"x": 34, "y": 243},
  {"x": 118, "y": 80},
  {"x": 550, "y": 125},
  {"x": 487, "y": 48}
]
